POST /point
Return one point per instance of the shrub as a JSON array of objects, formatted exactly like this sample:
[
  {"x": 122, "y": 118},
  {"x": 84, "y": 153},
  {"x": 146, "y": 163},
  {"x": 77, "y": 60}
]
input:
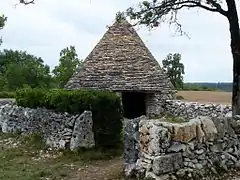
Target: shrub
[
  {"x": 179, "y": 97},
  {"x": 105, "y": 106},
  {"x": 32, "y": 98},
  {"x": 5, "y": 94}
]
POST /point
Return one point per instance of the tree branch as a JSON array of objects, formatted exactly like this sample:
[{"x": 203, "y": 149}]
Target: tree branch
[
  {"x": 191, "y": 4},
  {"x": 157, "y": 11},
  {"x": 26, "y": 2},
  {"x": 217, "y": 6}
]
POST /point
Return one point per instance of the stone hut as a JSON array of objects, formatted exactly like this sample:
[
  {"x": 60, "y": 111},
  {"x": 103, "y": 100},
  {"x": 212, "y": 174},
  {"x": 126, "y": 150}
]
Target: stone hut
[{"x": 121, "y": 62}]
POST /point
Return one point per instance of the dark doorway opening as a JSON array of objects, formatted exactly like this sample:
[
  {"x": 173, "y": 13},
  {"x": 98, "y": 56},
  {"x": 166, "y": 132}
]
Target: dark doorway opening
[{"x": 134, "y": 104}]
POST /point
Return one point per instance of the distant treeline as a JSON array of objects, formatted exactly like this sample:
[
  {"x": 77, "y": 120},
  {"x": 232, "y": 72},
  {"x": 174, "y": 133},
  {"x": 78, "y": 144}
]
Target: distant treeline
[{"x": 205, "y": 86}]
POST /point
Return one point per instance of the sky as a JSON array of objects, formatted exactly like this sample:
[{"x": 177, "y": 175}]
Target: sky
[{"x": 48, "y": 26}]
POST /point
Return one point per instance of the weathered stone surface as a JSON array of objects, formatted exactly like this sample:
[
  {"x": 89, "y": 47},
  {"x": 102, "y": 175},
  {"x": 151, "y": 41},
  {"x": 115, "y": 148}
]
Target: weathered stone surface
[
  {"x": 56, "y": 128},
  {"x": 193, "y": 109},
  {"x": 184, "y": 132},
  {"x": 82, "y": 135},
  {"x": 176, "y": 147},
  {"x": 131, "y": 139},
  {"x": 208, "y": 128},
  {"x": 6, "y": 101},
  {"x": 197, "y": 147},
  {"x": 155, "y": 102},
  {"x": 167, "y": 163},
  {"x": 153, "y": 139}
]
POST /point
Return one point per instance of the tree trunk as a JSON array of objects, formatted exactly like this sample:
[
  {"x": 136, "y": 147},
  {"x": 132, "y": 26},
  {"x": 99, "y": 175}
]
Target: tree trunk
[
  {"x": 236, "y": 82},
  {"x": 235, "y": 47}
]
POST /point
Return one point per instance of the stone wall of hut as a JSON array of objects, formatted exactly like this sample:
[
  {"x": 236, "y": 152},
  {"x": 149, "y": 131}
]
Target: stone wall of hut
[{"x": 155, "y": 103}]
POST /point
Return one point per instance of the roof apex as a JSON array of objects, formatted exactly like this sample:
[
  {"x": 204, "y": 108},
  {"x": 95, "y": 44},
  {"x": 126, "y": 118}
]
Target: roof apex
[{"x": 120, "y": 62}]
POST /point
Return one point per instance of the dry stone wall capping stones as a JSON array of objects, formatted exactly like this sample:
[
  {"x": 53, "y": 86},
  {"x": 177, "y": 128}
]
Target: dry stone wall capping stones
[
  {"x": 193, "y": 149},
  {"x": 59, "y": 130},
  {"x": 194, "y": 109}
]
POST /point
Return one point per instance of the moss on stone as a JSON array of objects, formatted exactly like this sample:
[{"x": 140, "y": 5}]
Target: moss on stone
[{"x": 170, "y": 118}]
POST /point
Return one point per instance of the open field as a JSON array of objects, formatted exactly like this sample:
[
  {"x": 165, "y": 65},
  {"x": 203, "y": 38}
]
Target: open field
[{"x": 207, "y": 96}]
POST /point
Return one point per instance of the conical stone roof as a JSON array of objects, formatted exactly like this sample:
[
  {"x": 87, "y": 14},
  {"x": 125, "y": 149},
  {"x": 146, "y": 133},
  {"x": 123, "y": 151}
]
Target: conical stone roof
[{"x": 120, "y": 62}]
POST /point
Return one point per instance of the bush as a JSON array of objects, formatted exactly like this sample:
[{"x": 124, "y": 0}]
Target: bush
[
  {"x": 105, "y": 106},
  {"x": 179, "y": 97},
  {"x": 31, "y": 98},
  {"x": 5, "y": 94}
]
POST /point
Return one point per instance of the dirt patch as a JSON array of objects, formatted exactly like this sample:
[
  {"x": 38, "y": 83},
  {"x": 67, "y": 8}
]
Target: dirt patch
[
  {"x": 101, "y": 170},
  {"x": 206, "y": 96}
]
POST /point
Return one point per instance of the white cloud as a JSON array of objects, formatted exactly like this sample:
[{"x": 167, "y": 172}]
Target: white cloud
[{"x": 47, "y": 27}]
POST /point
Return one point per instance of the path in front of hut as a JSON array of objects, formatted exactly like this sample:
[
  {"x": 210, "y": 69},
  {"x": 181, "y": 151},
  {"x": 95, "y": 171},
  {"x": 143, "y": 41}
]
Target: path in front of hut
[{"x": 101, "y": 170}]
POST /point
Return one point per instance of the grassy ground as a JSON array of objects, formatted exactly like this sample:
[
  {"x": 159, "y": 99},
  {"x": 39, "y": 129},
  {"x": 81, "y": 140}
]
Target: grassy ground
[{"x": 28, "y": 159}]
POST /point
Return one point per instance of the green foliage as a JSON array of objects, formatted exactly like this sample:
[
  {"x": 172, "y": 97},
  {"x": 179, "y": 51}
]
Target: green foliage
[
  {"x": 174, "y": 69},
  {"x": 120, "y": 16},
  {"x": 18, "y": 68},
  {"x": 68, "y": 63},
  {"x": 166, "y": 117},
  {"x": 3, "y": 20},
  {"x": 32, "y": 98},
  {"x": 5, "y": 94},
  {"x": 105, "y": 106}
]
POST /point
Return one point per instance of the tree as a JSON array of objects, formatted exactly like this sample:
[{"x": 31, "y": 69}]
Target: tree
[
  {"x": 174, "y": 69},
  {"x": 68, "y": 63},
  {"x": 17, "y": 68},
  {"x": 3, "y": 20},
  {"x": 153, "y": 12}
]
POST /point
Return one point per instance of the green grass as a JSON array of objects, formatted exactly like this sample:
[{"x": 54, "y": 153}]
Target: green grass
[
  {"x": 17, "y": 163},
  {"x": 170, "y": 118}
]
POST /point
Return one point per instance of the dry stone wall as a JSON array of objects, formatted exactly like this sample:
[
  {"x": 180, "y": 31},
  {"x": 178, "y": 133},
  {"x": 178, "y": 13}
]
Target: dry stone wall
[
  {"x": 196, "y": 149},
  {"x": 194, "y": 109},
  {"x": 155, "y": 103},
  {"x": 59, "y": 130}
]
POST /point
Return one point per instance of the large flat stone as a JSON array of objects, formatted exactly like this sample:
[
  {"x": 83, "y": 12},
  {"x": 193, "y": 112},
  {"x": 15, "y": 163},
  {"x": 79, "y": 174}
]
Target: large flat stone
[
  {"x": 154, "y": 139},
  {"x": 167, "y": 163},
  {"x": 82, "y": 135}
]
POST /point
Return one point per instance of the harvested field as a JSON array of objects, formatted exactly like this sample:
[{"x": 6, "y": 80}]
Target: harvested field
[{"x": 206, "y": 96}]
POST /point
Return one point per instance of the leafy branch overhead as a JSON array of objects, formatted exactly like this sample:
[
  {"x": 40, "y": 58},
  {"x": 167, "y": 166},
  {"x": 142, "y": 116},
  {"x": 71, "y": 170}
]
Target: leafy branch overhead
[
  {"x": 152, "y": 13},
  {"x": 120, "y": 16}
]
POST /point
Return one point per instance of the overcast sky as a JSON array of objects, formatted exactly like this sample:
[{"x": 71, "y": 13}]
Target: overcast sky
[{"x": 48, "y": 26}]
